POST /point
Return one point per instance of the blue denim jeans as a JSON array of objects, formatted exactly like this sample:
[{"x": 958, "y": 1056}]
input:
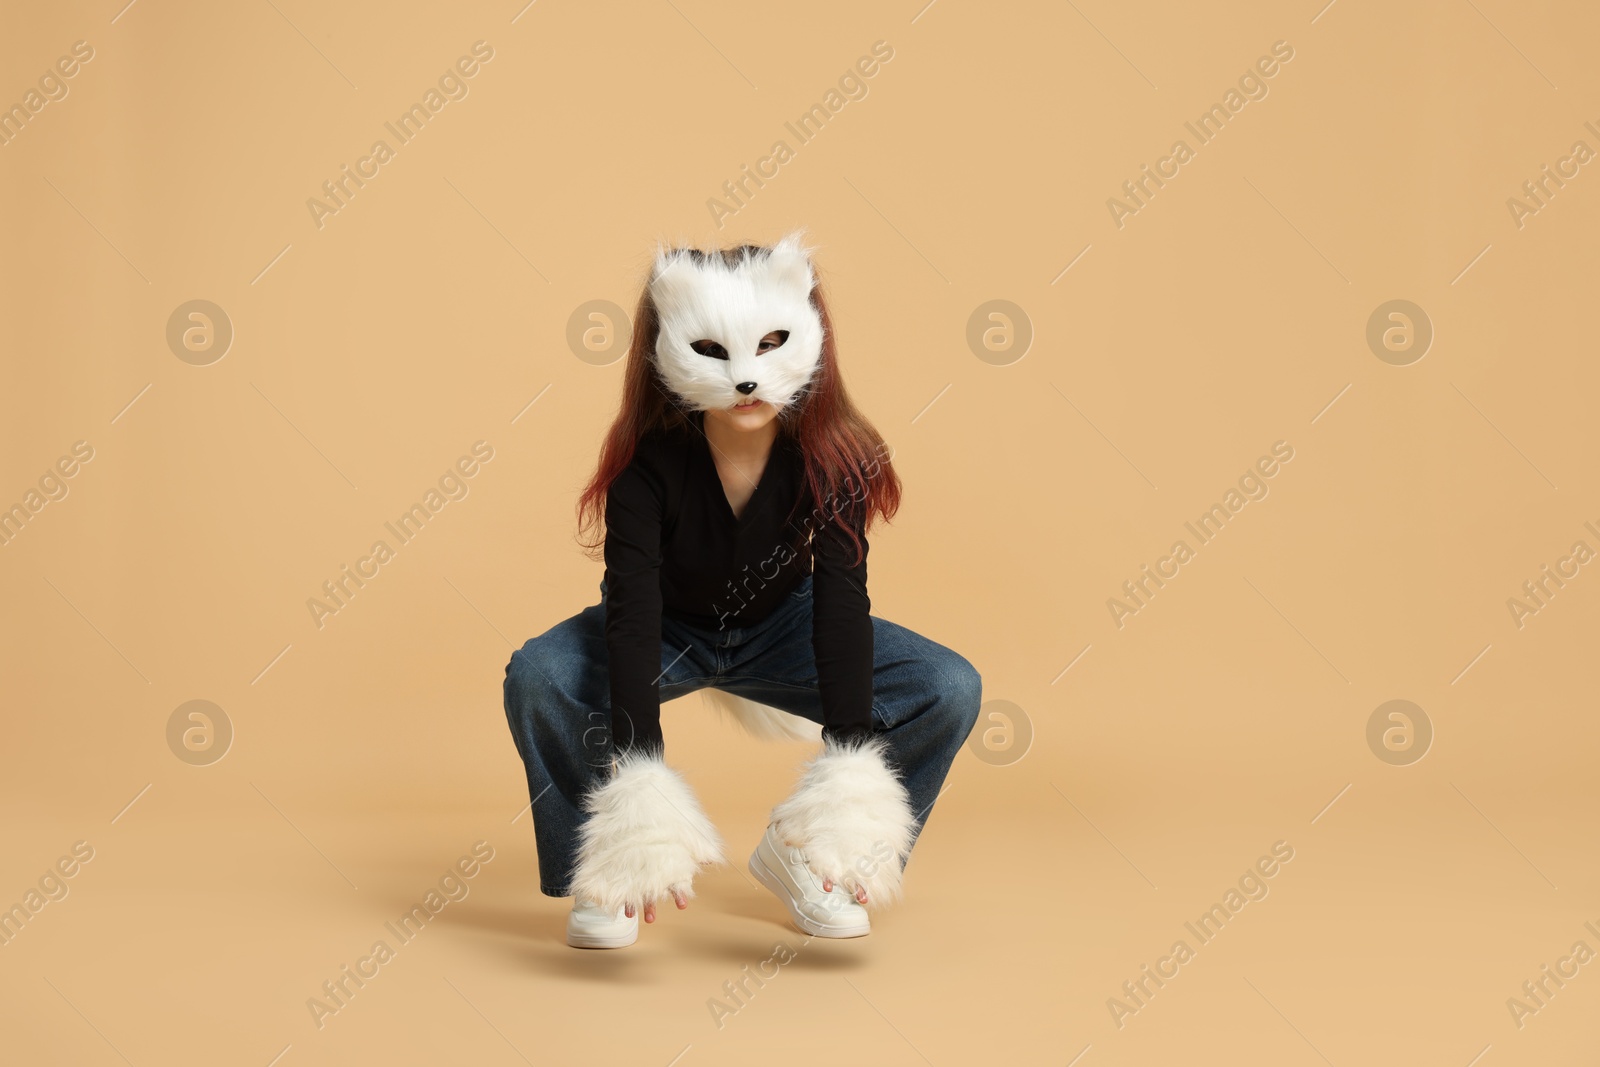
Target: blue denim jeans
[{"x": 557, "y": 696}]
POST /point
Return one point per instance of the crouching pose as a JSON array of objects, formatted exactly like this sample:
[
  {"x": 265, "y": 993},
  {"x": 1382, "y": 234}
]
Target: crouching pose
[{"x": 737, "y": 486}]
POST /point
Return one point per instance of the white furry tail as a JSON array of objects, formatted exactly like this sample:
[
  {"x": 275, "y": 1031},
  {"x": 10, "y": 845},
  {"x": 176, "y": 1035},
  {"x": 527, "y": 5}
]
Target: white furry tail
[
  {"x": 761, "y": 722},
  {"x": 850, "y": 816},
  {"x": 646, "y": 836}
]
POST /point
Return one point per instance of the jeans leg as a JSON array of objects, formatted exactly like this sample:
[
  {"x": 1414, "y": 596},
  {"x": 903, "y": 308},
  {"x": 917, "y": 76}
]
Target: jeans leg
[
  {"x": 558, "y": 705},
  {"x": 928, "y": 697},
  {"x": 925, "y": 697},
  {"x": 557, "y": 702}
]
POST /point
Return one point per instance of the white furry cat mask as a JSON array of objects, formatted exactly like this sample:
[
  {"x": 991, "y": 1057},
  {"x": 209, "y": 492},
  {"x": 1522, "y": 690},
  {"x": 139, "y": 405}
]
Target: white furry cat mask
[{"x": 700, "y": 297}]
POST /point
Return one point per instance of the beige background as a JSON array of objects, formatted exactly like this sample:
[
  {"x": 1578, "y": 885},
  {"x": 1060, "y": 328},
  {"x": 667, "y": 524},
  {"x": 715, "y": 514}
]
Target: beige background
[{"x": 1231, "y": 713}]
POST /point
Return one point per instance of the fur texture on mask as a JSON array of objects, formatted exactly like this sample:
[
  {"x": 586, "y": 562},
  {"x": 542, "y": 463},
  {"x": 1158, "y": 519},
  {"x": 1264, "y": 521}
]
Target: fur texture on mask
[
  {"x": 851, "y": 818},
  {"x": 736, "y": 306},
  {"x": 645, "y": 837}
]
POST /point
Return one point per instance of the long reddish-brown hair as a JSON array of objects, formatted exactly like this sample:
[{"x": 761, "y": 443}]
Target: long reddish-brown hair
[{"x": 852, "y": 481}]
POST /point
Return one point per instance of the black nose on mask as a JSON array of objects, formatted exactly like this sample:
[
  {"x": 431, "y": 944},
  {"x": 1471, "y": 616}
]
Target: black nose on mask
[{"x": 746, "y": 388}]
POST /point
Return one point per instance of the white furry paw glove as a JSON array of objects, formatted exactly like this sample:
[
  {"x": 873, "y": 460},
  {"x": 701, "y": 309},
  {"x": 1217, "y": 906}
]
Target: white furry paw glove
[
  {"x": 646, "y": 836},
  {"x": 851, "y": 817}
]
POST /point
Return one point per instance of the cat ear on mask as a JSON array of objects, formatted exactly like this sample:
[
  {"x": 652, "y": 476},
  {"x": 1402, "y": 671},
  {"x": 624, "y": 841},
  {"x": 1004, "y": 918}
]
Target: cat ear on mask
[
  {"x": 789, "y": 264},
  {"x": 674, "y": 271}
]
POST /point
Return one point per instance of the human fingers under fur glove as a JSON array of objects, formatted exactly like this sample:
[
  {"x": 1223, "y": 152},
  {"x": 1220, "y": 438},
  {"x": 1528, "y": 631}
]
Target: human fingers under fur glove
[
  {"x": 646, "y": 836},
  {"x": 850, "y": 816}
]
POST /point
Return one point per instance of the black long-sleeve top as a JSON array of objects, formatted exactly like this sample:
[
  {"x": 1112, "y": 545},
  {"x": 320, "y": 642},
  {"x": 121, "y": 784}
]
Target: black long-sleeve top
[{"x": 674, "y": 547}]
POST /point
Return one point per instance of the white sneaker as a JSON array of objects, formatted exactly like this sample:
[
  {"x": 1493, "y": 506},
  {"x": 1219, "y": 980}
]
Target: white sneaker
[
  {"x": 783, "y": 870},
  {"x": 591, "y": 926}
]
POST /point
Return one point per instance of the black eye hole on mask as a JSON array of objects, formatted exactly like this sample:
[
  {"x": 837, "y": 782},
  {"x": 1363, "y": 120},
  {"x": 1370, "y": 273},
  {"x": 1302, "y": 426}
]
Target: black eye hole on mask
[
  {"x": 710, "y": 348},
  {"x": 767, "y": 346}
]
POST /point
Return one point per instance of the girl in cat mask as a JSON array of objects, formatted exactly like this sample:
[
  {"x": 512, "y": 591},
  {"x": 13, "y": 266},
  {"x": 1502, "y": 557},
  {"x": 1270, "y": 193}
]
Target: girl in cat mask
[{"x": 736, "y": 487}]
